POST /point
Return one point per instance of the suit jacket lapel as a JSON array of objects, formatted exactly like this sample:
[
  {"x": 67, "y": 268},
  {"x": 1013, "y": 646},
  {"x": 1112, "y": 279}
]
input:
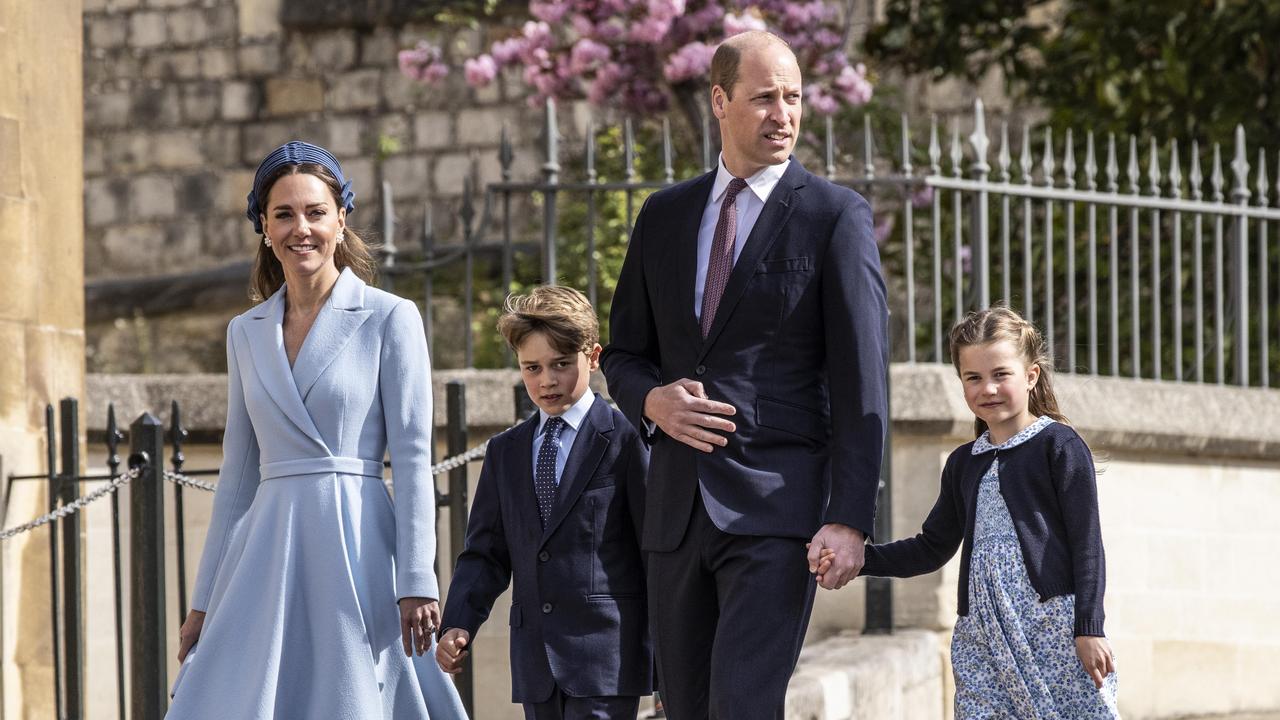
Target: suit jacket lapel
[
  {"x": 265, "y": 331},
  {"x": 588, "y": 448},
  {"x": 773, "y": 217},
  {"x": 521, "y": 473},
  {"x": 686, "y": 253},
  {"x": 334, "y": 327}
]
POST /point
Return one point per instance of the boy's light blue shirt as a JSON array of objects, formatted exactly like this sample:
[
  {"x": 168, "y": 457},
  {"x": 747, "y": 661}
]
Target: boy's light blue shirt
[{"x": 573, "y": 418}]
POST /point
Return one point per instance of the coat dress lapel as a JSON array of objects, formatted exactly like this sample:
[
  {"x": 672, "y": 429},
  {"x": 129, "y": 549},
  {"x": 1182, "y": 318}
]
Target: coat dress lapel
[
  {"x": 265, "y": 334},
  {"x": 773, "y": 217},
  {"x": 588, "y": 448},
  {"x": 336, "y": 323}
]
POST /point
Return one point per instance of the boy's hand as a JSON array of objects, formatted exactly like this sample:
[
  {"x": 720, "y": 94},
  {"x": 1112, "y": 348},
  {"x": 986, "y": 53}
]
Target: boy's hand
[
  {"x": 683, "y": 411},
  {"x": 450, "y": 650},
  {"x": 1095, "y": 655}
]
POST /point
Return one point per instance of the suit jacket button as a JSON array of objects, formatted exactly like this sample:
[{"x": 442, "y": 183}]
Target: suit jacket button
[
  {"x": 544, "y": 556},
  {"x": 546, "y": 608},
  {"x": 700, "y": 370}
]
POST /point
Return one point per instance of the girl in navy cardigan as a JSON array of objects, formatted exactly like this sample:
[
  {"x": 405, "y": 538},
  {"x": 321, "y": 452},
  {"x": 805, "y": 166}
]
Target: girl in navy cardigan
[{"x": 1021, "y": 500}]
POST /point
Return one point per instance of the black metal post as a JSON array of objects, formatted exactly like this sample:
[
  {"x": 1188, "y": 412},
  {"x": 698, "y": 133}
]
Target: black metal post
[
  {"x": 456, "y": 411},
  {"x": 149, "y": 672},
  {"x": 524, "y": 403},
  {"x": 51, "y": 463},
  {"x": 114, "y": 436},
  {"x": 879, "y": 610},
  {"x": 177, "y": 434},
  {"x": 72, "y": 587}
]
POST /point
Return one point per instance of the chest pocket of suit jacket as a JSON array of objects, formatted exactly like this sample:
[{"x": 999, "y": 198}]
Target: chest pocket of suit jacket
[{"x": 777, "y": 286}]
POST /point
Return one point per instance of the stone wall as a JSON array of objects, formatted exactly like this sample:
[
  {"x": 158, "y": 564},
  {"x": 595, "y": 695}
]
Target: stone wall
[
  {"x": 182, "y": 98},
  {"x": 41, "y": 308}
]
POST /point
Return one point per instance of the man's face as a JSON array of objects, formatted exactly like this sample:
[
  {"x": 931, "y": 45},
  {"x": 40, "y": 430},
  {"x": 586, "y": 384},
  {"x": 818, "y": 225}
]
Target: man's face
[{"x": 759, "y": 125}]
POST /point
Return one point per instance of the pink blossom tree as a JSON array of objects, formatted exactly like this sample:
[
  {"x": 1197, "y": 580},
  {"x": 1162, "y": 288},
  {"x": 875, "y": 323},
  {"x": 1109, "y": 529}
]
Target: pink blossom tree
[{"x": 643, "y": 55}]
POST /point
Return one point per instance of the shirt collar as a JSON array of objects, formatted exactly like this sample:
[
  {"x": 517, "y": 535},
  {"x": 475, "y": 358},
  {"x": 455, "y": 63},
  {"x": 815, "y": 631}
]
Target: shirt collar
[
  {"x": 761, "y": 183},
  {"x": 574, "y": 416},
  {"x": 983, "y": 443}
]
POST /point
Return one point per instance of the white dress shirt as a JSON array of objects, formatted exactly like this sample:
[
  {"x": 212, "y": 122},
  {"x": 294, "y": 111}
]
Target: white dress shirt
[
  {"x": 573, "y": 418},
  {"x": 749, "y": 203}
]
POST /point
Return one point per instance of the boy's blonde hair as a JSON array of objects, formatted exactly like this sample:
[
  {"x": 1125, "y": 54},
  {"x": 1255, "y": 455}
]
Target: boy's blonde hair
[
  {"x": 562, "y": 313},
  {"x": 983, "y": 327}
]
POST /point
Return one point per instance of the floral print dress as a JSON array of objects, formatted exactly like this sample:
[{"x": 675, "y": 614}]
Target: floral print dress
[{"x": 1014, "y": 656}]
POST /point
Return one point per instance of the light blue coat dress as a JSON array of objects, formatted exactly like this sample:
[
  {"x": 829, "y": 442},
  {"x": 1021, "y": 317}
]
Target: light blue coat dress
[{"x": 306, "y": 554}]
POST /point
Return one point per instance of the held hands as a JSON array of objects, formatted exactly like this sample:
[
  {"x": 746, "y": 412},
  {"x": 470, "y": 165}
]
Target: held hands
[
  {"x": 1095, "y": 655},
  {"x": 189, "y": 633},
  {"x": 450, "y": 651},
  {"x": 836, "y": 555},
  {"x": 419, "y": 618},
  {"x": 683, "y": 411}
]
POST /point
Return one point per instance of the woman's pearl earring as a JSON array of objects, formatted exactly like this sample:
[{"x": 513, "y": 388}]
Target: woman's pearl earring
[
  {"x": 341, "y": 236},
  {"x": 266, "y": 240}
]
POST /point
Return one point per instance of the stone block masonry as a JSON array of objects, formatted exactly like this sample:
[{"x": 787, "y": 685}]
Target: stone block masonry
[{"x": 183, "y": 97}]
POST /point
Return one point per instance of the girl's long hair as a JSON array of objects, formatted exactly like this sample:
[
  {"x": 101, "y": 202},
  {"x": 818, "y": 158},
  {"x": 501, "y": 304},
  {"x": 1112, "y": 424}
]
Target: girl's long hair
[
  {"x": 352, "y": 252},
  {"x": 983, "y": 327}
]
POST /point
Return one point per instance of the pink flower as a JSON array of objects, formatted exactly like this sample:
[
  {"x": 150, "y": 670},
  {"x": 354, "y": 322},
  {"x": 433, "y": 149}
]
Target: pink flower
[
  {"x": 883, "y": 228},
  {"x": 666, "y": 9},
  {"x": 506, "y": 52},
  {"x": 583, "y": 27},
  {"x": 423, "y": 63},
  {"x": 701, "y": 21},
  {"x": 480, "y": 71},
  {"x": 820, "y": 101},
  {"x": 585, "y": 55},
  {"x": 650, "y": 30},
  {"x": 538, "y": 34},
  {"x": 608, "y": 78},
  {"x": 611, "y": 30},
  {"x": 853, "y": 86},
  {"x": 738, "y": 24},
  {"x": 549, "y": 11},
  {"x": 691, "y": 61}
]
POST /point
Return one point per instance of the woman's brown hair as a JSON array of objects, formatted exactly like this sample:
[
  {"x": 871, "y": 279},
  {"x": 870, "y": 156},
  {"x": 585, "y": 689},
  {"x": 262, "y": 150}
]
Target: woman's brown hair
[
  {"x": 352, "y": 252},
  {"x": 983, "y": 327}
]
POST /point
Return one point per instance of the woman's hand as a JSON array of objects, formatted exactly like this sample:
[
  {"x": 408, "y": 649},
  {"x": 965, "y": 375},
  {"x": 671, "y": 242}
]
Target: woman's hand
[
  {"x": 419, "y": 618},
  {"x": 1095, "y": 655},
  {"x": 189, "y": 633}
]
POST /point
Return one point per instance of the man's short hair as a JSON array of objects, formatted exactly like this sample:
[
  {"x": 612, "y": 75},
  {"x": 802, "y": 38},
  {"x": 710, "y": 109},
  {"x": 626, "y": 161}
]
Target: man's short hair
[
  {"x": 563, "y": 314},
  {"x": 728, "y": 56}
]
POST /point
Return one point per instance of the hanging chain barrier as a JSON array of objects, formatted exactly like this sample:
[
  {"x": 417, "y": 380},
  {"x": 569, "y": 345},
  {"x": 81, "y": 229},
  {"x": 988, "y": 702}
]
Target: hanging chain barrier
[{"x": 115, "y": 484}]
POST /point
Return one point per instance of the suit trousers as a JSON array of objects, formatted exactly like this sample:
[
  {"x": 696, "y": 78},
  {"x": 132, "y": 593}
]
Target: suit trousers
[
  {"x": 567, "y": 707},
  {"x": 728, "y": 615}
]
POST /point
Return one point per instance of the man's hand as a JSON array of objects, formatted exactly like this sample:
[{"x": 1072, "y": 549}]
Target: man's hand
[
  {"x": 844, "y": 565},
  {"x": 450, "y": 651},
  {"x": 419, "y": 618},
  {"x": 683, "y": 411},
  {"x": 1095, "y": 655}
]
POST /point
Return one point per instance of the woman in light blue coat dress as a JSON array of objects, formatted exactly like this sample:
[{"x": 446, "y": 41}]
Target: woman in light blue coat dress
[{"x": 316, "y": 595}]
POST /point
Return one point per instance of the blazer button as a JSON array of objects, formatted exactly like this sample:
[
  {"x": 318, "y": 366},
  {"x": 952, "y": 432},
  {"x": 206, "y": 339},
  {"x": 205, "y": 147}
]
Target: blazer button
[
  {"x": 546, "y": 608},
  {"x": 700, "y": 370},
  {"x": 544, "y": 556}
]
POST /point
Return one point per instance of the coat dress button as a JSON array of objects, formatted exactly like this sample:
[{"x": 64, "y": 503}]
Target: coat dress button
[
  {"x": 700, "y": 370},
  {"x": 546, "y": 608},
  {"x": 544, "y": 556}
]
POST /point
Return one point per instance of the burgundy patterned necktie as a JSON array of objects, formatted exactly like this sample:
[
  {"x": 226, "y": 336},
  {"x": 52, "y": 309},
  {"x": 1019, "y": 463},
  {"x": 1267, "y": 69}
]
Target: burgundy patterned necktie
[{"x": 720, "y": 264}]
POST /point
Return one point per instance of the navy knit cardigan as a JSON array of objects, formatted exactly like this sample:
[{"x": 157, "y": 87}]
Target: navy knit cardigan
[{"x": 1049, "y": 484}]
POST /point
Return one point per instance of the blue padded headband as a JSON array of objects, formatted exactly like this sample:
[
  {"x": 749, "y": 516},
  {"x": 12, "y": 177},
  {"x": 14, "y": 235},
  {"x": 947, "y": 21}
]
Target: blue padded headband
[{"x": 295, "y": 152}]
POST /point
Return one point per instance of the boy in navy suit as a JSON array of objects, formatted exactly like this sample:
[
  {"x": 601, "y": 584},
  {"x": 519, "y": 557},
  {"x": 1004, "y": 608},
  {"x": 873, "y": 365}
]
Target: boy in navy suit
[{"x": 559, "y": 509}]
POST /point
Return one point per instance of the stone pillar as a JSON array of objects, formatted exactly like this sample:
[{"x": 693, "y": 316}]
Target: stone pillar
[{"x": 41, "y": 305}]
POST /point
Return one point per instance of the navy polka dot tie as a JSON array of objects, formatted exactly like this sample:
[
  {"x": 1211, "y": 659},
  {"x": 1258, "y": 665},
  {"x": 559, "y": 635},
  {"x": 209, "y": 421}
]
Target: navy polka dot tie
[{"x": 544, "y": 474}]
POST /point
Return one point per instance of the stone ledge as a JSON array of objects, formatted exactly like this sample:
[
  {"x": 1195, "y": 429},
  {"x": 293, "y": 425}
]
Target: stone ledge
[
  {"x": 1186, "y": 419},
  {"x": 887, "y": 677}
]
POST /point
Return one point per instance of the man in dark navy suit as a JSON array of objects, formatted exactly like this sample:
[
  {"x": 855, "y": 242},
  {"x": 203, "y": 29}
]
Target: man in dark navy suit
[
  {"x": 749, "y": 345},
  {"x": 559, "y": 506}
]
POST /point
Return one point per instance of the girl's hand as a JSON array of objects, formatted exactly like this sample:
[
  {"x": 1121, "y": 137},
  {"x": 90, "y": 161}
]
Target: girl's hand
[
  {"x": 189, "y": 633},
  {"x": 827, "y": 557},
  {"x": 419, "y": 618},
  {"x": 1095, "y": 655}
]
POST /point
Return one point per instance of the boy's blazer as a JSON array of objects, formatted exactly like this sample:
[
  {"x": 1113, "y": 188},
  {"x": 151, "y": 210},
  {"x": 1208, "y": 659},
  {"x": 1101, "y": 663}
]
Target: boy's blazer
[{"x": 578, "y": 611}]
